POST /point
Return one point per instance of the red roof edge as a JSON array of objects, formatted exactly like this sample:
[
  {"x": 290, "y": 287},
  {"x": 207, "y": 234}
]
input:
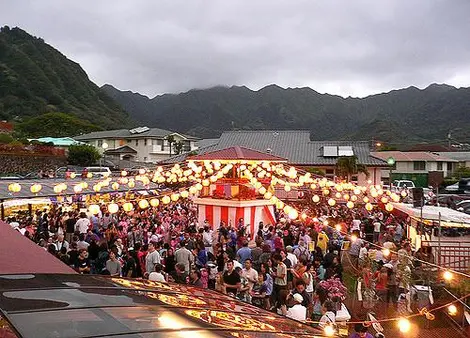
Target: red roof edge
[{"x": 22, "y": 256}]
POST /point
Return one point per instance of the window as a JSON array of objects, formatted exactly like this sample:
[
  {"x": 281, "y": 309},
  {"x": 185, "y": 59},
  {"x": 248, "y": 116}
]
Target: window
[
  {"x": 145, "y": 142},
  {"x": 439, "y": 166},
  {"x": 145, "y": 159},
  {"x": 100, "y": 143},
  {"x": 419, "y": 165},
  {"x": 449, "y": 166},
  {"x": 186, "y": 146},
  {"x": 160, "y": 143},
  {"x": 136, "y": 143}
]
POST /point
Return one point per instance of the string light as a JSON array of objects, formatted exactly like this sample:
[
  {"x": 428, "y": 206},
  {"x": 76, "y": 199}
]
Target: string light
[
  {"x": 404, "y": 325},
  {"x": 329, "y": 330},
  {"x": 448, "y": 276},
  {"x": 452, "y": 310}
]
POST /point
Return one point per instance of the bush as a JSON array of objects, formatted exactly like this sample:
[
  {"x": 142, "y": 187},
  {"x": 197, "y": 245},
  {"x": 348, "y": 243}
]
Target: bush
[
  {"x": 83, "y": 155},
  {"x": 5, "y": 138}
]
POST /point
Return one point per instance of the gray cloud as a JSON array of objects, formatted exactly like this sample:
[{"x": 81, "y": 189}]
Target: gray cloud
[{"x": 341, "y": 47}]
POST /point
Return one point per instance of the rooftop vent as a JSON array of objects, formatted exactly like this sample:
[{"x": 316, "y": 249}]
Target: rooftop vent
[{"x": 139, "y": 130}]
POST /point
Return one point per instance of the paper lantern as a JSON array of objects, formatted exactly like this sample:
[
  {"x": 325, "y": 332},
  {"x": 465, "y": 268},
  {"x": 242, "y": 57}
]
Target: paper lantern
[
  {"x": 94, "y": 209},
  {"x": 279, "y": 205},
  {"x": 128, "y": 206},
  {"x": 338, "y": 195},
  {"x": 268, "y": 195},
  {"x": 131, "y": 184},
  {"x": 143, "y": 204},
  {"x": 346, "y": 197},
  {"x": 205, "y": 183},
  {"x": 326, "y": 192},
  {"x": 123, "y": 173},
  {"x": 287, "y": 188},
  {"x": 185, "y": 194},
  {"x": 166, "y": 199},
  {"x": 57, "y": 189},
  {"x": 199, "y": 186},
  {"x": 84, "y": 185},
  {"x": 350, "y": 204},
  {"x": 331, "y": 202},
  {"x": 315, "y": 198},
  {"x": 141, "y": 171},
  {"x": 115, "y": 186},
  {"x": 35, "y": 188},
  {"x": 175, "y": 197},
  {"x": 389, "y": 207},
  {"x": 287, "y": 209},
  {"x": 77, "y": 188},
  {"x": 89, "y": 175},
  {"x": 113, "y": 208},
  {"x": 97, "y": 188},
  {"x": 154, "y": 202},
  {"x": 354, "y": 198},
  {"x": 384, "y": 200},
  {"x": 403, "y": 193},
  {"x": 73, "y": 175},
  {"x": 293, "y": 214},
  {"x": 193, "y": 190},
  {"x": 262, "y": 190},
  {"x": 357, "y": 191},
  {"x": 14, "y": 187},
  {"x": 366, "y": 199},
  {"x": 369, "y": 207}
]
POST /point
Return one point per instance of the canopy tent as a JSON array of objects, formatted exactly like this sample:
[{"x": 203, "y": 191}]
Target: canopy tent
[{"x": 431, "y": 214}]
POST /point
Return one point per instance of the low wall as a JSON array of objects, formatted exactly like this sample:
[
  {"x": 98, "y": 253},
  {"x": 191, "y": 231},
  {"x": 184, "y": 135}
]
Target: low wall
[{"x": 24, "y": 164}]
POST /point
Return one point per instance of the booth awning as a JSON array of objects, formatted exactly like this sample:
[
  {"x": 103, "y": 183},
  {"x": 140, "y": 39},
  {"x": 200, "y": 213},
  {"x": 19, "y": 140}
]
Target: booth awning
[{"x": 434, "y": 214}]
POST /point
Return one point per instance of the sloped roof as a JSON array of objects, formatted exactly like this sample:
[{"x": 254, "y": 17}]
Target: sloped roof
[
  {"x": 293, "y": 145},
  {"x": 12, "y": 262},
  {"x": 410, "y": 156},
  {"x": 125, "y": 133},
  {"x": 237, "y": 153},
  {"x": 456, "y": 155},
  {"x": 121, "y": 150},
  {"x": 57, "y": 141}
]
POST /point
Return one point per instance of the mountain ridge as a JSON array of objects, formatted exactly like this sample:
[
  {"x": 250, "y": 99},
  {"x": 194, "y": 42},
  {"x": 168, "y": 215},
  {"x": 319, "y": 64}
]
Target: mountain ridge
[{"x": 208, "y": 112}]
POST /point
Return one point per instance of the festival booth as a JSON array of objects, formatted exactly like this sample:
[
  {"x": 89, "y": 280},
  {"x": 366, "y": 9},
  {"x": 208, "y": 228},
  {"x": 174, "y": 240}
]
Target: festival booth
[
  {"x": 234, "y": 197},
  {"x": 429, "y": 217}
]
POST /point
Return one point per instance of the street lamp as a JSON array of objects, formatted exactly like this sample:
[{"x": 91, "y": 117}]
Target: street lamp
[
  {"x": 391, "y": 163},
  {"x": 104, "y": 146}
]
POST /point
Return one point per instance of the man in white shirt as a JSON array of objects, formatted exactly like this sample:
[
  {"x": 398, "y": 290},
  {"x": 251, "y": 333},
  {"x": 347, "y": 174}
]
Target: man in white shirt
[
  {"x": 356, "y": 225},
  {"x": 250, "y": 274},
  {"x": 157, "y": 275},
  {"x": 290, "y": 256},
  {"x": 61, "y": 243},
  {"x": 152, "y": 258},
  {"x": 83, "y": 224},
  {"x": 377, "y": 226},
  {"x": 207, "y": 238},
  {"x": 298, "y": 311}
]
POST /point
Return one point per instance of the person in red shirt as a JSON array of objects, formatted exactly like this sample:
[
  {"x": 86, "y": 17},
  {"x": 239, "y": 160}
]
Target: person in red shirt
[{"x": 381, "y": 280}]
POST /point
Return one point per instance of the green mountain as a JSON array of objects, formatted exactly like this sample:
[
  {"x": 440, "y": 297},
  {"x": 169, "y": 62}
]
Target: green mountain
[
  {"x": 402, "y": 116},
  {"x": 36, "y": 79}
]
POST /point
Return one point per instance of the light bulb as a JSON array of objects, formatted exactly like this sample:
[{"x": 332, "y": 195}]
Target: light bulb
[
  {"x": 452, "y": 309},
  {"x": 404, "y": 325},
  {"x": 329, "y": 330},
  {"x": 448, "y": 275}
]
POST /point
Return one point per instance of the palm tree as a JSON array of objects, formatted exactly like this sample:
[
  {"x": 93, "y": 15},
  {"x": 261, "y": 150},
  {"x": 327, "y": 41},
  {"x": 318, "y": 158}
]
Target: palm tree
[
  {"x": 171, "y": 140},
  {"x": 346, "y": 166}
]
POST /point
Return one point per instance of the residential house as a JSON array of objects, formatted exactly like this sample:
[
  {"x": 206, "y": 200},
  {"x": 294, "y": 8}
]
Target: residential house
[
  {"x": 423, "y": 168},
  {"x": 462, "y": 157},
  {"x": 141, "y": 144},
  {"x": 299, "y": 150}
]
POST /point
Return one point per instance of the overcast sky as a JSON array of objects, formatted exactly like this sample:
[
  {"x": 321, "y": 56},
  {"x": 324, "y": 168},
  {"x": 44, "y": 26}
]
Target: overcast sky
[{"x": 344, "y": 47}]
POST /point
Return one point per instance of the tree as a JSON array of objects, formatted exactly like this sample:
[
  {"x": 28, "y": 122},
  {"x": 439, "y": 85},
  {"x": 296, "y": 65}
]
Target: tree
[
  {"x": 171, "y": 140},
  {"x": 346, "y": 166},
  {"x": 178, "y": 147},
  {"x": 83, "y": 155}
]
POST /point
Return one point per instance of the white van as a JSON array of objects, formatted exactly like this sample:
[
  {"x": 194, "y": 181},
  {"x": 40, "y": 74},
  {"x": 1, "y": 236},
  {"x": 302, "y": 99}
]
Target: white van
[{"x": 97, "y": 171}]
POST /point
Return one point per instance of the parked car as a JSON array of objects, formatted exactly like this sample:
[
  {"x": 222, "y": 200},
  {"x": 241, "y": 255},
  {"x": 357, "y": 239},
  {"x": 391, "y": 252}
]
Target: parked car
[
  {"x": 447, "y": 200},
  {"x": 464, "y": 186},
  {"x": 97, "y": 171},
  {"x": 452, "y": 188},
  {"x": 65, "y": 172},
  {"x": 462, "y": 205},
  {"x": 403, "y": 184},
  {"x": 107, "y": 163}
]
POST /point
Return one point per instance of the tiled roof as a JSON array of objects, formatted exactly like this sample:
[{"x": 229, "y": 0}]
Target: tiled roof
[
  {"x": 206, "y": 142},
  {"x": 237, "y": 153},
  {"x": 293, "y": 145},
  {"x": 409, "y": 156},
  {"x": 122, "y": 150},
  {"x": 456, "y": 155},
  {"x": 125, "y": 133}
]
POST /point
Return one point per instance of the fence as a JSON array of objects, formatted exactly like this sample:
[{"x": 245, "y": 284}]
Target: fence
[{"x": 451, "y": 254}]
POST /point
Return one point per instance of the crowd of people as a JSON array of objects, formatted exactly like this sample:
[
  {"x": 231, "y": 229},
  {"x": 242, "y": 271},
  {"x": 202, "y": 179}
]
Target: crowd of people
[{"x": 287, "y": 267}]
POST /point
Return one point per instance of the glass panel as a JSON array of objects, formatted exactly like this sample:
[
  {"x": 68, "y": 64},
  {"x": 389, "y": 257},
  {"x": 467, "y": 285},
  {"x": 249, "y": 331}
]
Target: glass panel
[
  {"x": 330, "y": 151},
  {"x": 91, "y": 322}
]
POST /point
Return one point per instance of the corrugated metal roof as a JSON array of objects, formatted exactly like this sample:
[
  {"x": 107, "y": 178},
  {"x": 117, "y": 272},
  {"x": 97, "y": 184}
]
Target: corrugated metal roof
[
  {"x": 125, "y": 133},
  {"x": 456, "y": 155},
  {"x": 410, "y": 156},
  {"x": 237, "y": 153},
  {"x": 293, "y": 145}
]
